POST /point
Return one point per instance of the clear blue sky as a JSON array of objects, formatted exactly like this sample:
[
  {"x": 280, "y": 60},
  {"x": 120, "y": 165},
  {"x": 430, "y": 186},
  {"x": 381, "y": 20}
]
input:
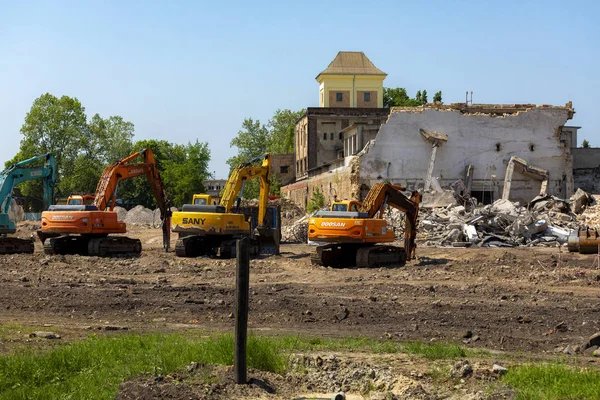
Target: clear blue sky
[{"x": 186, "y": 70}]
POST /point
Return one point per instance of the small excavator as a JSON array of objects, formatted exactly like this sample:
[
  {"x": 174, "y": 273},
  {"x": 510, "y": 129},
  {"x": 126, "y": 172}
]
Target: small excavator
[
  {"x": 352, "y": 237},
  {"x": 21, "y": 172},
  {"x": 86, "y": 229},
  {"x": 208, "y": 229}
]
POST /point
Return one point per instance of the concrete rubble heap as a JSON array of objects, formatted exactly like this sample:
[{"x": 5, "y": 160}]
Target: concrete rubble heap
[{"x": 545, "y": 221}]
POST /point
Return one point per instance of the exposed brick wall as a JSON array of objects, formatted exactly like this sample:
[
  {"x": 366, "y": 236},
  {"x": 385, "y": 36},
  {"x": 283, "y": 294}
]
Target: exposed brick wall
[
  {"x": 345, "y": 98},
  {"x": 360, "y": 99},
  {"x": 281, "y": 161},
  {"x": 342, "y": 182}
]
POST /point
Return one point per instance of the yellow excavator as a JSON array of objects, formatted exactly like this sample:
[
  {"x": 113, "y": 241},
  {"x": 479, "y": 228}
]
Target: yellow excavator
[
  {"x": 209, "y": 229},
  {"x": 354, "y": 231}
]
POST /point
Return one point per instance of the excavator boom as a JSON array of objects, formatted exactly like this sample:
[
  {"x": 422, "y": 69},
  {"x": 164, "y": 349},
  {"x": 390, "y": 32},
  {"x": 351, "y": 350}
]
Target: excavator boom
[{"x": 9, "y": 178}]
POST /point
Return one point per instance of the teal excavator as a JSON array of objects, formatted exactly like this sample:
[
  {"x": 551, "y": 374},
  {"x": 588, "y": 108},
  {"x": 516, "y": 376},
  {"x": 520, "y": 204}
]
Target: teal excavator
[{"x": 20, "y": 172}]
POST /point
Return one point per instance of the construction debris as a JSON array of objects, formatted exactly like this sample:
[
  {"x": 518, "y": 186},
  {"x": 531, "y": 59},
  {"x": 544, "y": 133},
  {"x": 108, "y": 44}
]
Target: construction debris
[{"x": 546, "y": 221}]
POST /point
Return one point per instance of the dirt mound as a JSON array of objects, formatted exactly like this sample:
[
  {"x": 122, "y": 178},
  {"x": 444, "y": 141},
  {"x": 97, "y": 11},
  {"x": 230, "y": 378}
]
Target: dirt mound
[
  {"x": 140, "y": 215},
  {"x": 121, "y": 213}
]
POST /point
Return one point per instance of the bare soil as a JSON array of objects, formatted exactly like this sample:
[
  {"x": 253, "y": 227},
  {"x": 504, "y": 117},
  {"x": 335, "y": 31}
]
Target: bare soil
[{"x": 514, "y": 300}]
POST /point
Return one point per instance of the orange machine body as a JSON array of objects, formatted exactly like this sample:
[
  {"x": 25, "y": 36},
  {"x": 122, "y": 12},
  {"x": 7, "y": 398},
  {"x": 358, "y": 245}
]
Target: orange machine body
[
  {"x": 349, "y": 230},
  {"x": 82, "y": 222}
]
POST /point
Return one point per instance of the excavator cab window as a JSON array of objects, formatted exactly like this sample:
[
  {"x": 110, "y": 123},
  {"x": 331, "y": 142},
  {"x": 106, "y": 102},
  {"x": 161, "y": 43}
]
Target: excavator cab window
[
  {"x": 75, "y": 202},
  {"x": 339, "y": 207},
  {"x": 201, "y": 202}
]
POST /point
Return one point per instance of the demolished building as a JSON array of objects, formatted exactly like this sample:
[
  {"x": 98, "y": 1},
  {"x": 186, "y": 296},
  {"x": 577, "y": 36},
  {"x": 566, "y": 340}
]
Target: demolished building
[{"x": 474, "y": 143}]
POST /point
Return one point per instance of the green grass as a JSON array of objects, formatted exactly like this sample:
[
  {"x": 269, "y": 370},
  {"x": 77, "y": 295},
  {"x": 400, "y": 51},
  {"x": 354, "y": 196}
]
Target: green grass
[
  {"x": 94, "y": 368},
  {"x": 553, "y": 381},
  {"x": 430, "y": 351}
]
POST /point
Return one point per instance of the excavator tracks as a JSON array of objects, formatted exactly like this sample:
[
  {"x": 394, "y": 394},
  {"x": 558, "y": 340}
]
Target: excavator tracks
[
  {"x": 194, "y": 246},
  {"x": 11, "y": 245},
  {"x": 349, "y": 255},
  {"x": 380, "y": 256},
  {"x": 106, "y": 246}
]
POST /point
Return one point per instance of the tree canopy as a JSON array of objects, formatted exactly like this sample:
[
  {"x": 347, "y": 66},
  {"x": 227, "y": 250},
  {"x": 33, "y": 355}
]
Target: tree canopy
[
  {"x": 83, "y": 149},
  {"x": 398, "y": 97},
  {"x": 255, "y": 139}
]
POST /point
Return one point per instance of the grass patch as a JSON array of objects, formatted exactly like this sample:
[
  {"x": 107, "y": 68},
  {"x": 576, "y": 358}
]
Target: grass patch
[
  {"x": 430, "y": 351},
  {"x": 553, "y": 381},
  {"x": 94, "y": 368}
]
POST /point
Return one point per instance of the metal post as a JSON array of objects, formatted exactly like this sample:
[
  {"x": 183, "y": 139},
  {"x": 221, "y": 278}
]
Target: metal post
[{"x": 241, "y": 312}]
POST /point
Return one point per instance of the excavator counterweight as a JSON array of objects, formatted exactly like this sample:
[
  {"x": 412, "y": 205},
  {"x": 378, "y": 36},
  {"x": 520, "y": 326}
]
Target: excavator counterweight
[
  {"x": 356, "y": 237},
  {"x": 86, "y": 229}
]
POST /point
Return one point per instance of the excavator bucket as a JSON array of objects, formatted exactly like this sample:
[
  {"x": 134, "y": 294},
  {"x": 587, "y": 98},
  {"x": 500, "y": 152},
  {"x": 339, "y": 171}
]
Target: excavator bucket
[{"x": 268, "y": 236}]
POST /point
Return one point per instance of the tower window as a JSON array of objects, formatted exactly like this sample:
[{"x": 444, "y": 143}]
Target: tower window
[
  {"x": 367, "y": 96},
  {"x": 325, "y": 136},
  {"x": 340, "y": 135},
  {"x": 339, "y": 96},
  {"x": 331, "y": 136}
]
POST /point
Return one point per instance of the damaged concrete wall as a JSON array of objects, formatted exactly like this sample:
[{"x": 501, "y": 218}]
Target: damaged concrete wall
[
  {"x": 586, "y": 169},
  {"x": 341, "y": 182},
  {"x": 485, "y": 139}
]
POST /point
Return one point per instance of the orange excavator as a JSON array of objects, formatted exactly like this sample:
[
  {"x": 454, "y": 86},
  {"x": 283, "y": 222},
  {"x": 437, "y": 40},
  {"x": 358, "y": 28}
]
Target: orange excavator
[
  {"x": 352, "y": 237},
  {"x": 88, "y": 229}
]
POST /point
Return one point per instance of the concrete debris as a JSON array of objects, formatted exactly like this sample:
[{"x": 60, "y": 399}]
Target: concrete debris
[
  {"x": 546, "y": 221},
  {"x": 579, "y": 201}
]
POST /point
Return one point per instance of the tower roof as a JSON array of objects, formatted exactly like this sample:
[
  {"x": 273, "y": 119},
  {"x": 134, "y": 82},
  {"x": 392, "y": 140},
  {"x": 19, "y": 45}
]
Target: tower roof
[{"x": 351, "y": 63}]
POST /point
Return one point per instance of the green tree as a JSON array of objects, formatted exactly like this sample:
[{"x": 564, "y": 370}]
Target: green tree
[
  {"x": 252, "y": 141},
  {"x": 424, "y": 99},
  {"x": 585, "y": 144},
  {"x": 111, "y": 139},
  {"x": 183, "y": 169},
  {"x": 58, "y": 126},
  {"x": 398, "y": 97},
  {"x": 418, "y": 97},
  {"x": 186, "y": 176},
  {"x": 317, "y": 201},
  {"x": 281, "y": 131},
  {"x": 437, "y": 97}
]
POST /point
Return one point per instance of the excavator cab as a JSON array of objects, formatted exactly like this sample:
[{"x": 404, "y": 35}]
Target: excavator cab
[
  {"x": 204, "y": 200},
  {"x": 80, "y": 200},
  {"x": 345, "y": 205}
]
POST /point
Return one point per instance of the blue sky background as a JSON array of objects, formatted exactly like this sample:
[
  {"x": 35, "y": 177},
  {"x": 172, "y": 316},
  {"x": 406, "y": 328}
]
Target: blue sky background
[{"x": 187, "y": 70}]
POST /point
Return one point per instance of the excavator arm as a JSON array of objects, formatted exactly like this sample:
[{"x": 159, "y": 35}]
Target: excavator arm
[
  {"x": 382, "y": 194},
  {"x": 106, "y": 191},
  {"x": 12, "y": 176},
  {"x": 20, "y": 172},
  {"x": 243, "y": 173}
]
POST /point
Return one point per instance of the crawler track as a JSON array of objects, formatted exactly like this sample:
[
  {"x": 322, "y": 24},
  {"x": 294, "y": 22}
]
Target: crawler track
[{"x": 12, "y": 245}]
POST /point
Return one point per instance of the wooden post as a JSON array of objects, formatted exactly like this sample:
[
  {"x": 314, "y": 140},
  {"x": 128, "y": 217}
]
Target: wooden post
[{"x": 242, "y": 294}]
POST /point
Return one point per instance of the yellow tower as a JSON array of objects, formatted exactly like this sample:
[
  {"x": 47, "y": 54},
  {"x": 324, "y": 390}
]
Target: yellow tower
[{"x": 351, "y": 80}]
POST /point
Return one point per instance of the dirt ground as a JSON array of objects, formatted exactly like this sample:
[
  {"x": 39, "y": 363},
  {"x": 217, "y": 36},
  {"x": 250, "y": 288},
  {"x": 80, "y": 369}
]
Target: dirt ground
[{"x": 518, "y": 300}]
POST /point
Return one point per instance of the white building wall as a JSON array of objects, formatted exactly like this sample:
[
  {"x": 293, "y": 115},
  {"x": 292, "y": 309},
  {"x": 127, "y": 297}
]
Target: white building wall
[{"x": 401, "y": 154}]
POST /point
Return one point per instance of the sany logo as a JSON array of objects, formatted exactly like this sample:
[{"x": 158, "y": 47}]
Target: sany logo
[
  {"x": 135, "y": 171},
  {"x": 333, "y": 224}
]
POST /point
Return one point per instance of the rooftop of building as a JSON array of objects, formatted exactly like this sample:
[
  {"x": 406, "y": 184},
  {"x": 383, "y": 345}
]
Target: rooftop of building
[
  {"x": 351, "y": 63},
  {"x": 485, "y": 109}
]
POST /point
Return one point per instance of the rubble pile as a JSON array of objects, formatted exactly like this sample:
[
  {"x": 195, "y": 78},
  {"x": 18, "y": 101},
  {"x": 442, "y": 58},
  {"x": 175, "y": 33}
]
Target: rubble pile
[
  {"x": 121, "y": 213},
  {"x": 140, "y": 215},
  {"x": 545, "y": 221},
  {"x": 296, "y": 232}
]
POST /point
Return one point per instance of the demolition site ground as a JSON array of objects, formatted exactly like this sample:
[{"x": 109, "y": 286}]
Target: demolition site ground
[{"x": 518, "y": 303}]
